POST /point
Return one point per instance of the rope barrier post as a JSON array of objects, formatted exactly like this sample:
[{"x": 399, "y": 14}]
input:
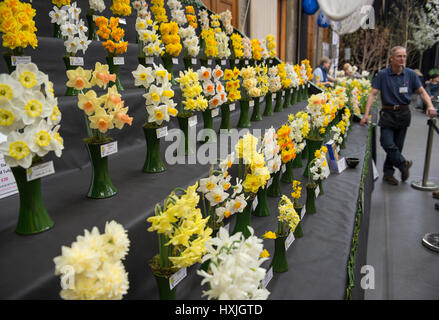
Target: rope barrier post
[{"x": 426, "y": 185}]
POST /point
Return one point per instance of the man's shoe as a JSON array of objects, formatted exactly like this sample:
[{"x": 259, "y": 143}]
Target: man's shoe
[
  {"x": 405, "y": 174},
  {"x": 436, "y": 194},
  {"x": 391, "y": 180}
]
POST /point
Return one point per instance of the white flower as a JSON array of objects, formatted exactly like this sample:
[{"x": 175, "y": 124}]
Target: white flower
[
  {"x": 16, "y": 150},
  {"x": 83, "y": 43},
  {"x": 10, "y": 88},
  {"x": 143, "y": 76},
  {"x": 154, "y": 95},
  {"x": 29, "y": 75},
  {"x": 35, "y": 107},
  {"x": 97, "y": 5},
  {"x": 158, "y": 114},
  {"x": 69, "y": 30},
  {"x": 116, "y": 242},
  {"x": 238, "y": 204},
  {"x": 40, "y": 138},
  {"x": 57, "y": 16},
  {"x": 216, "y": 196},
  {"x": 208, "y": 184},
  {"x": 227, "y": 162},
  {"x": 10, "y": 119},
  {"x": 72, "y": 44}
]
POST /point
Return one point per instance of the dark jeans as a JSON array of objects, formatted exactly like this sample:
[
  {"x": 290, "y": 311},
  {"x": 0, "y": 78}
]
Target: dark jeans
[{"x": 392, "y": 141}]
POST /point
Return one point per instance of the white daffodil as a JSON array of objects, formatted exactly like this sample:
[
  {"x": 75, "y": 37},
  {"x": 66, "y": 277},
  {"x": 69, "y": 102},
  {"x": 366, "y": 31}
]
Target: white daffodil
[
  {"x": 72, "y": 45},
  {"x": 10, "y": 119},
  {"x": 83, "y": 43},
  {"x": 16, "y": 150},
  {"x": 238, "y": 204},
  {"x": 55, "y": 116},
  {"x": 154, "y": 95},
  {"x": 69, "y": 30},
  {"x": 74, "y": 11},
  {"x": 10, "y": 88},
  {"x": 35, "y": 107},
  {"x": 57, "y": 15},
  {"x": 161, "y": 75},
  {"x": 143, "y": 76},
  {"x": 227, "y": 162},
  {"x": 158, "y": 114},
  {"x": 40, "y": 137},
  {"x": 57, "y": 142},
  {"x": 29, "y": 76},
  {"x": 237, "y": 188},
  {"x": 208, "y": 88},
  {"x": 208, "y": 184},
  {"x": 204, "y": 74},
  {"x": 97, "y": 5}
]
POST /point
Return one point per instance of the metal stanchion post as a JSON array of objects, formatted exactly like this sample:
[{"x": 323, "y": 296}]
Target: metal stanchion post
[{"x": 426, "y": 185}]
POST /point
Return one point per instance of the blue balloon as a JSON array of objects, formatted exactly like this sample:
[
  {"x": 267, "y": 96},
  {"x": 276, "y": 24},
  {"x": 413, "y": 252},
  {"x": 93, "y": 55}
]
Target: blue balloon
[
  {"x": 322, "y": 20},
  {"x": 310, "y": 6}
]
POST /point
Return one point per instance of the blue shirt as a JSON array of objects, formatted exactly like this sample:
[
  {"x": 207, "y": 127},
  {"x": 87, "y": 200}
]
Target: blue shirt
[
  {"x": 390, "y": 84},
  {"x": 321, "y": 73}
]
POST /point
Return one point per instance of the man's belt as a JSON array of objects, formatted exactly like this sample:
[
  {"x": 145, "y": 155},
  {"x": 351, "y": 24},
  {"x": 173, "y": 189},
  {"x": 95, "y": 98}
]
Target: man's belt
[{"x": 396, "y": 107}]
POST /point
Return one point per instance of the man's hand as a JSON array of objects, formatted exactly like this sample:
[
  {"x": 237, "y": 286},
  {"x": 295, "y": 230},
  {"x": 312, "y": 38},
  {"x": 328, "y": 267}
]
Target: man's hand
[
  {"x": 364, "y": 120},
  {"x": 431, "y": 112}
]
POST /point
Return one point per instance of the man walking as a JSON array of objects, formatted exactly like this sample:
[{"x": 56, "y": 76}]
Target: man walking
[{"x": 396, "y": 84}]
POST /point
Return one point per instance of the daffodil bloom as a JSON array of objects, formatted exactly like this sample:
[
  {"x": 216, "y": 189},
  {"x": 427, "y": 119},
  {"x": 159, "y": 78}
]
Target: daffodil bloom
[{"x": 79, "y": 78}]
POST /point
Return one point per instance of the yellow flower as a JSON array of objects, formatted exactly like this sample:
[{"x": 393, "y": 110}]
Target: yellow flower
[
  {"x": 269, "y": 235},
  {"x": 79, "y": 78},
  {"x": 264, "y": 254},
  {"x": 101, "y": 120}
]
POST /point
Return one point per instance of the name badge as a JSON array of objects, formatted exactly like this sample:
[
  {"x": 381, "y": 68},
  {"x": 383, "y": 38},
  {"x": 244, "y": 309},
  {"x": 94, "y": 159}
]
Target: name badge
[{"x": 403, "y": 90}]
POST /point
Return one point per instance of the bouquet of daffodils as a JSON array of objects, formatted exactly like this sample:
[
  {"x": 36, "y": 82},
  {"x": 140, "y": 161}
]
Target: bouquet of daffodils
[
  {"x": 204, "y": 19},
  {"x": 121, "y": 7},
  {"x": 177, "y": 12},
  {"x": 191, "y": 89},
  {"x": 265, "y": 54},
  {"x": 158, "y": 10},
  {"x": 29, "y": 116},
  {"x": 141, "y": 8},
  {"x": 292, "y": 75},
  {"x": 97, "y": 5},
  {"x": 171, "y": 39},
  {"x": 235, "y": 272},
  {"x": 306, "y": 70},
  {"x": 285, "y": 80},
  {"x": 94, "y": 262},
  {"x": 319, "y": 167},
  {"x": 319, "y": 113},
  {"x": 109, "y": 30},
  {"x": 256, "y": 49},
  {"x": 102, "y": 113},
  {"x": 237, "y": 45},
  {"x": 247, "y": 48},
  {"x": 271, "y": 46},
  {"x": 191, "y": 17},
  {"x": 190, "y": 41},
  {"x": 262, "y": 77},
  {"x": 226, "y": 18},
  {"x": 286, "y": 144},
  {"x": 147, "y": 34},
  {"x": 297, "y": 192},
  {"x": 159, "y": 94},
  {"x": 287, "y": 219},
  {"x": 72, "y": 28},
  {"x": 182, "y": 231},
  {"x": 213, "y": 89},
  {"x": 232, "y": 84},
  {"x": 18, "y": 27},
  {"x": 299, "y": 129},
  {"x": 216, "y": 189},
  {"x": 274, "y": 81},
  {"x": 250, "y": 83},
  {"x": 270, "y": 150},
  {"x": 223, "y": 45}
]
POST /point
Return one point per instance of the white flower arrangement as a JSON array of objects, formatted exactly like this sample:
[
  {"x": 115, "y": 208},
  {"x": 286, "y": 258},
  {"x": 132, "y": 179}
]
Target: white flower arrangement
[
  {"x": 159, "y": 94},
  {"x": 204, "y": 19},
  {"x": 226, "y": 18},
  {"x": 177, "y": 12},
  {"x": 235, "y": 272},
  {"x": 339, "y": 74},
  {"x": 299, "y": 130},
  {"x": 95, "y": 262},
  {"x": 270, "y": 149},
  {"x": 265, "y": 54},
  {"x": 97, "y": 5},
  {"x": 274, "y": 80},
  {"x": 317, "y": 168},
  {"x": 29, "y": 116},
  {"x": 146, "y": 30},
  {"x": 303, "y": 73},
  {"x": 223, "y": 45},
  {"x": 291, "y": 74},
  {"x": 142, "y": 9},
  {"x": 73, "y": 28},
  {"x": 213, "y": 89},
  {"x": 247, "y": 48},
  {"x": 190, "y": 41}
]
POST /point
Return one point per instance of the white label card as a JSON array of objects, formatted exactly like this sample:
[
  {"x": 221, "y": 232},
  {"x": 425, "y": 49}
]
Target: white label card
[
  {"x": 341, "y": 165},
  {"x": 236, "y": 61},
  {"x": 232, "y": 107},
  {"x": 302, "y": 214},
  {"x": 8, "y": 186},
  {"x": 162, "y": 132},
  {"x": 317, "y": 191},
  {"x": 76, "y": 61},
  {"x": 246, "y": 61},
  {"x": 16, "y": 60},
  {"x": 284, "y": 168},
  {"x": 223, "y": 62},
  {"x": 194, "y": 61},
  {"x": 255, "y": 203},
  {"x": 269, "y": 183},
  {"x": 209, "y": 61},
  {"x": 261, "y": 99},
  {"x": 118, "y": 61},
  {"x": 149, "y": 60},
  {"x": 174, "y": 60},
  {"x": 283, "y": 93},
  {"x": 274, "y": 95},
  {"x": 289, "y": 240},
  {"x": 40, "y": 171},
  {"x": 176, "y": 278},
  {"x": 376, "y": 175},
  {"x": 108, "y": 149},
  {"x": 268, "y": 277},
  {"x": 326, "y": 169},
  {"x": 252, "y": 103},
  {"x": 94, "y": 17},
  {"x": 122, "y": 21},
  {"x": 193, "y": 121},
  {"x": 215, "y": 112},
  {"x": 403, "y": 90}
]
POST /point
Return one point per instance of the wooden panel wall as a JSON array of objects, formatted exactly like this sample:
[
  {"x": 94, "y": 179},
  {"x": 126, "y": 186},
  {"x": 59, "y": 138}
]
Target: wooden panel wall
[{"x": 219, "y": 6}]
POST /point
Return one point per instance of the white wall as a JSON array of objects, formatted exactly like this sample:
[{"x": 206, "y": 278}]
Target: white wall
[{"x": 263, "y": 18}]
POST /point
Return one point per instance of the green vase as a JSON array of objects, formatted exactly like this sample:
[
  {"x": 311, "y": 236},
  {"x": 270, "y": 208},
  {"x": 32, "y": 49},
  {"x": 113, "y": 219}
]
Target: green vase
[
  {"x": 262, "y": 209},
  {"x": 321, "y": 187},
  {"x": 312, "y": 145},
  {"x": 169, "y": 66},
  {"x": 187, "y": 63},
  {"x": 189, "y": 146},
  {"x": 101, "y": 186},
  {"x": 244, "y": 117},
  {"x": 92, "y": 29},
  {"x": 225, "y": 117},
  {"x": 32, "y": 216},
  {"x": 208, "y": 125},
  {"x": 288, "y": 175},
  {"x": 297, "y": 162},
  {"x": 243, "y": 220},
  {"x": 203, "y": 63},
  {"x": 114, "y": 69},
  {"x": 268, "y": 105},
  {"x": 274, "y": 190},
  {"x": 298, "y": 233},
  {"x": 305, "y": 152},
  {"x": 256, "y": 116},
  {"x": 287, "y": 100},
  {"x": 299, "y": 94},
  {"x": 278, "y": 107},
  {"x": 294, "y": 96},
  {"x": 70, "y": 90},
  {"x": 311, "y": 199},
  {"x": 153, "y": 162},
  {"x": 280, "y": 263},
  {"x": 165, "y": 293},
  {"x": 57, "y": 31},
  {"x": 306, "y": 91}
]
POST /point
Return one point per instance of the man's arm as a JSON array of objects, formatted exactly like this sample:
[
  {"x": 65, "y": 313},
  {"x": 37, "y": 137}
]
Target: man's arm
[
  {"x": 331, "y": 79},
  {"x": 370, "y": 101},
  {"x": 431, "y": 110}
]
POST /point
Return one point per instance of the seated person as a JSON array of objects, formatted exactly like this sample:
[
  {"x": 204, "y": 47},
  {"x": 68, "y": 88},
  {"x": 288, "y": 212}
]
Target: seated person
[
  {"x": 433, "y": 90},
  {"x": 321, "y": 73}
]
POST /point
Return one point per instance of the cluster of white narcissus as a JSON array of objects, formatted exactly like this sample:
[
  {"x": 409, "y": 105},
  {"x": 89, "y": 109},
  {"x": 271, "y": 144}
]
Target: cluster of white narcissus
[
  {"x": 94, "y": 260},
  {"x": 177, "y": 12},
  {"x": 98, "y": 5},
  {"x": 146, "y": 30},
  {"x": 235, "y": 272},
  {"x": 142, "y": 9},
  {"x": 317, "y": 169},
  {"x": 270, "y": 150},
  {"x": 72, "y": 27},
  {"x": 190, "y": 40},
  {"x": 29, "y": 116},
  {"x": 274, "y": 79},
  {"x": 291, "y": 74}
]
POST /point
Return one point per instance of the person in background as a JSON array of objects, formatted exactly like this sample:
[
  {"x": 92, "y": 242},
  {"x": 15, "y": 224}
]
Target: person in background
[
  {"x": 321, "y": 72},
  {"x": 397, "y": 85},
  {"x": 432, "y": 89},
  {"x": 347, "y": 68}
]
